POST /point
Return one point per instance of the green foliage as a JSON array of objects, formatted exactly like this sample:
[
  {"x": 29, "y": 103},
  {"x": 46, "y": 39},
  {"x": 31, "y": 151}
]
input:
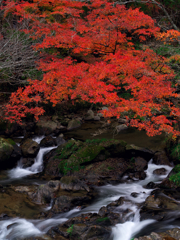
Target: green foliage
[
  {"x": 10, "y": 141},
  {"x": 175, "y": 178},
  {"x": 70, "y": 229},
  {"x": 175, "y": 151},
  {"x": 167, "y": 50}
]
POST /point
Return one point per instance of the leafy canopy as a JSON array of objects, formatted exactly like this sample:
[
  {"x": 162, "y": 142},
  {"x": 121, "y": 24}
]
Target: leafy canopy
[{"x": 88, "y": 54}]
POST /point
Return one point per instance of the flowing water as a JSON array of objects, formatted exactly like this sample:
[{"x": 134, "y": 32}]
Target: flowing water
[{"x": 19, "y": 227}]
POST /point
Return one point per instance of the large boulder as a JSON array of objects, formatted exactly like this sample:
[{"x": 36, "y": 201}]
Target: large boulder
[
  {"x": 29, "y": 148},
  {"x": 85, "y": 227},
  {"x": 74, "y": 123},
  {"x": 89, "y": 115},
  {"x": 158, "y": 205},
  {"x": 135, "y": 151},
  {"x": 48, "y": 142},
  {"x": 47, "y": 127},
  {"x": 160, "y": 158},
  {"x": 172, "y": 234},
  {"x": 10, "y": 153},
  {"x": 72, "y": 183}
]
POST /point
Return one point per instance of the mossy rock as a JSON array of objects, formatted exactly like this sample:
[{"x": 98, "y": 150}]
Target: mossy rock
[
  {"x": 65, "y": 150},
  {"x": 83, "y": 155},
  {"x": 174, "y": 175},
  {"x": 6, "y": 149},
  {"x": 74, "y": 155}
]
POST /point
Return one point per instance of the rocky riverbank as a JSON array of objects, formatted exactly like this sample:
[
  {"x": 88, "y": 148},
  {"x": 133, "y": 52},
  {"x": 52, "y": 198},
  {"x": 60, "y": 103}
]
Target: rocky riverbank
[{"x": 71, "y": 172}]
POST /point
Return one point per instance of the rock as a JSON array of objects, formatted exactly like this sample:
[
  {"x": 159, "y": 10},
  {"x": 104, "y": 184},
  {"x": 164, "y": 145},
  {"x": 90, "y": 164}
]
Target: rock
[
  {"x": 151, "y": 185},
  {"x": 65, "y": 202},
  {"x": 134, "y": 194},
  {"x": 10, "y": 153},
  {"x": 72, "y": 183},
  {"x": 27, "y": 162},
  {"x": 83, "y": 155},
  {"x": 85, "y": 227},
  {"x": 160, "y": 171},
  {"x": 46, "y": 192},
  {"x": 100, "y": 233},
  {"x": 59, "y": 140},
  {"x": 105, "y": 108},
  {"x": 46, "y": 127},
  {"x": 172, "y": 234},
  {"x": 160, "y": 158},
  {"x": 158, "y": 205},
  {"x": 75, "y": 123},
  {"x": 30, "y": 148},
  {"x": 135, "y": 151},
  {"x": 122, "y": 120},
  {"x": 140, "y": 164},
  {"x": 48, "y": 142},
  {"x": 121, "y": 128},
  {"x": 161, "y": 201},
  {"x": 89, "y": 115},
  {"x": 97, "y": 118}
]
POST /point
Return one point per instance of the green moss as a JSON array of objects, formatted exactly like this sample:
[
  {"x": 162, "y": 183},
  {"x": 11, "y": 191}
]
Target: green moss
[
  {"x": 102, "y": 219},
  {"x": 84, "y": 154},
  {"x": 176, "y": 169},
  {"x": 10, "y": 141},
  {"x": 175, "y": 151},
  {"x": 175, "y": 178}
]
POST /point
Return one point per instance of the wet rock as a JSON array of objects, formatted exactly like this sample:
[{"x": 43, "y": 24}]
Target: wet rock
[
  {"x": 160, "y": 158},
  {"x": 84, "y": 227},
  {"x": 75, "y": 123},
  {"x": 134, "y": 194},
  {"x": 59, "y": 140},
  {"x": 29, "y": 148},
  {"x": 66, "y": 202},
  {"x": 100, "y": 233},
  {"x": 122, "y": 120},
  {"x": 46, "y": 192},
  {"x": 161, "y": 201},
  {"x": 121, "y": 128},
  {"x": 151, "y": 185},
  {"x": 172, "y": 234},
  {"x": 157, "y": 205},
  {"x": 48, "y": 142},
  {"x": 89, "y": 115},
  {"x": 14, "y": 203},
  {"x": 27, "y": 162},
  {"x": 97, "y": 118},
  {"x": 135, "y": 151},
  {"x": 137, "y": 175},
  {"x": 160, "y": 171},
  {"x": 10, "y": 153},
  {"x": 72, "y": 183},
  {"x": 140, "y": 164},
  {"x": 46, "y": 127}
]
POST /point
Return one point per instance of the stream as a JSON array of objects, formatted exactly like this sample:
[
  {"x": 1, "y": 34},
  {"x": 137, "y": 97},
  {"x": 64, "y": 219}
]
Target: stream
[{"x": 132, "y": 226}]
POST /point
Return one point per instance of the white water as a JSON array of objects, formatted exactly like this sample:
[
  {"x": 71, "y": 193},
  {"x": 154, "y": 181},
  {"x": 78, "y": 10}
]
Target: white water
[
  {"x": 20, "y": 172},
  {"x": 17, "y": 227}
]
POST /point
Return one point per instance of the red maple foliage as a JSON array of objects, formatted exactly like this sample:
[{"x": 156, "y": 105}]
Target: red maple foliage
[{"x": 101, "y": 62}]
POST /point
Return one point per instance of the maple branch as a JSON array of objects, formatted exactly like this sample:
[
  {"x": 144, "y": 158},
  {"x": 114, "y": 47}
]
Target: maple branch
[{"x": 152, "y": 2}]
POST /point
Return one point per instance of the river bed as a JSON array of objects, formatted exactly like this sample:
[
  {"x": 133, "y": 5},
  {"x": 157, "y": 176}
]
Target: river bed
[{"x": 130, "y": 227}]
